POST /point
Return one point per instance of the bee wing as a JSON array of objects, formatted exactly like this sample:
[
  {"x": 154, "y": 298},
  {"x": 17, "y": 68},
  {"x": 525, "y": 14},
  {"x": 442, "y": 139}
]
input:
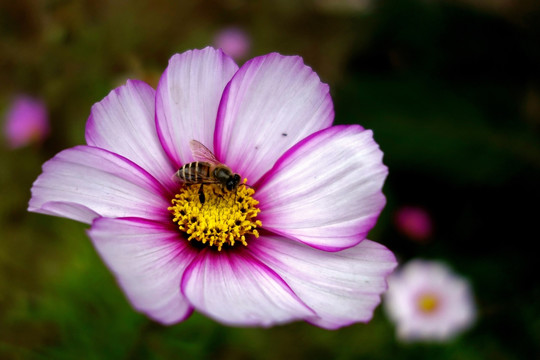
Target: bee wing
[
  {"x": 202, "y": 180},
  {"x": 202, "y": 153},
  {"x": 208, "y": 180}
]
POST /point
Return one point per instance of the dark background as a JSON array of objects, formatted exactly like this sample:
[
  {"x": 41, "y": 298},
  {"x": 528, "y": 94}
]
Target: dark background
[{"x": 451, "y": 90}]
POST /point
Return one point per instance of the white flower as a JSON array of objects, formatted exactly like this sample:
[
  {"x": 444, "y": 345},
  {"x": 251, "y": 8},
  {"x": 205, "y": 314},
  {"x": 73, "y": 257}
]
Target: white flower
[
  {"x": 315, "y": 191},
  {"x": 427, "y": 301}
]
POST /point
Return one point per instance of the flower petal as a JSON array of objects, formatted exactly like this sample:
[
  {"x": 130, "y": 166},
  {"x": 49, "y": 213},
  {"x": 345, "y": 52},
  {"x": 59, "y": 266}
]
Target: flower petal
[
  {"x": 341, "y": 287},
  {"x": 148, "y": 260},
  {"x": 99, "y": 181},
  {"x": 326, "y": 190},
  {"x": 271, "y": 103},
  {"x": 123, "y": 123},
  {"x": 236, "y": 289},
  {"x": 69, "y": 210},
  {"x": 187, "y": 100}
]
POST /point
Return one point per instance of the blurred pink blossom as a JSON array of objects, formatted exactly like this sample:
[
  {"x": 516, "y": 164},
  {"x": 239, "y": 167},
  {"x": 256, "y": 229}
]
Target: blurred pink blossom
[
  {"x": 26, "y": 122},
  {"x": 427, "y": 301},
  {"x": 234, "y": 41},
  {"x": 414, "y": 222}
]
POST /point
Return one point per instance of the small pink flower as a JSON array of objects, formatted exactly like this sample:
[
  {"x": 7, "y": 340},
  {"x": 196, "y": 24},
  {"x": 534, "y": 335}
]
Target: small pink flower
[
  {"x": 234, "y": 41},
  {"x": 414, "y": 222},
  {"x": 26, "y": 122},
  {"x": 427, "y": 301},
  {"x": 291, "y": 246}
]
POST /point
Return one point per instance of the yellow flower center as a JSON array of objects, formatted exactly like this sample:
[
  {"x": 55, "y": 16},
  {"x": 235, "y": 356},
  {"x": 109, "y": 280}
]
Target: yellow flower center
[
  {"x": 214, "y": 216},
  {"x": 428, "y": 303}
]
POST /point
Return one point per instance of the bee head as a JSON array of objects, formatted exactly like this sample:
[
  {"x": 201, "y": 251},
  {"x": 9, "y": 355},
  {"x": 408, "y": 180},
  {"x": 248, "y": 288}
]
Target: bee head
[{"x": 232, "y": 182}]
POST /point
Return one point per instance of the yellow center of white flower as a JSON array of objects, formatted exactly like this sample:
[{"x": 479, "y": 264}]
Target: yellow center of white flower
[
  {"x": 214, "y": 216},
  {"x": 428, "y": 303}
]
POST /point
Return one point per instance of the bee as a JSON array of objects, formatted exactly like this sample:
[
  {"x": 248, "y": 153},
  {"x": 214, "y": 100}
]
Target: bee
[{"x": 206, "y": 170}]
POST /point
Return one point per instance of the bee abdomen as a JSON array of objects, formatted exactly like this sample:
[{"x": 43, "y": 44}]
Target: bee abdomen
[{"x": 194, "y": 172}]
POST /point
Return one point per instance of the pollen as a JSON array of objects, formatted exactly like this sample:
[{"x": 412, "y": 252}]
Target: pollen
[{"x": 214, "y": 216}]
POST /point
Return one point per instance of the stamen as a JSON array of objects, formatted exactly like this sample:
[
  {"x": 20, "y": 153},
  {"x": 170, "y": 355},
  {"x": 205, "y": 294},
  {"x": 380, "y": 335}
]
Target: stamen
[
  {"x": 214, "y": 216},
  {"x": 428, "y": 303}
]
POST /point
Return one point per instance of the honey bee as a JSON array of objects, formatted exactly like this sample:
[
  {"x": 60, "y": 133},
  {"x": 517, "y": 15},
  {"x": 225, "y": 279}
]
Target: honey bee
[{"x": 206, "y": 170}]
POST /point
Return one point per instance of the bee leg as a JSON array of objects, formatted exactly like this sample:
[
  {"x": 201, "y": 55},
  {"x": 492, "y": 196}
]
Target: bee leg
[{"x": 202, "y": 198}]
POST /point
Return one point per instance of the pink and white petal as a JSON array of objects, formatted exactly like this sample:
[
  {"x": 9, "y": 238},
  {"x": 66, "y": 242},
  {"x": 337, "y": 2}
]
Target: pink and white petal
[
  {"x": 187, "y": 100},
  {"x": 271, "y": 103},
  {"x": 94, "y": 181},
  {"x": 341, "y": 287},
  {"x": 236, "y": 289},
  {"x": 69, "y": 210},
  {"x": 148, "y": 259},
  {"x": 123, "y": 123},
  {"x": 326, "y": 190}
]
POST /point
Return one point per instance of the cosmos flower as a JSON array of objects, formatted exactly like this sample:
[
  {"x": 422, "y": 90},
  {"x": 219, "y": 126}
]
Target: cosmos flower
[
  {"x": 288, "y": 243},
  {"x": 26, "y": 122},
  {"x": 414, "y": 222},
  {"x": 427, "y": 301},
  {"x": 234, "y": 41}
]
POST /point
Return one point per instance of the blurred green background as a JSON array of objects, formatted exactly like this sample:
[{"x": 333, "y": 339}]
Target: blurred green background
[{"x": 450, "y": 88}]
